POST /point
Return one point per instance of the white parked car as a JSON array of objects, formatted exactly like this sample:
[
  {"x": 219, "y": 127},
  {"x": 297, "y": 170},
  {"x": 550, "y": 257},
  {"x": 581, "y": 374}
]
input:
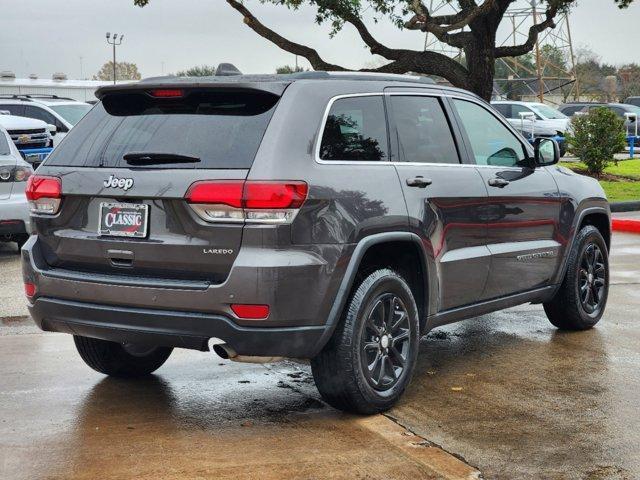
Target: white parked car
[
  {"x": 537, "y": 119},
  {"x": 14, "y": 208},
  {"x": 546, "y": 116},
  {"x": 61, "y": 112},
  {"x": 33, "y": 138}
]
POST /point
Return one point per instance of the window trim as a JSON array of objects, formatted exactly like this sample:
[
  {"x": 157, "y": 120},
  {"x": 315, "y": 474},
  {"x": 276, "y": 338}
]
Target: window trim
[
  {"x": 458, "y": 132},
  {"x": 323, "y": 126},
  {"x": 457, "y": 140}
]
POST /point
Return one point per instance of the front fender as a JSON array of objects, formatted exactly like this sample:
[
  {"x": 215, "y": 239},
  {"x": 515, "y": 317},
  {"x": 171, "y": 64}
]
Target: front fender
[{"x": 571, "y": 218}]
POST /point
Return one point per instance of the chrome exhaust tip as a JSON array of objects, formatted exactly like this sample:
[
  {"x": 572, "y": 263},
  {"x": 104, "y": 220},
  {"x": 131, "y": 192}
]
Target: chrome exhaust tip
[{"x": 225, "y": 352}]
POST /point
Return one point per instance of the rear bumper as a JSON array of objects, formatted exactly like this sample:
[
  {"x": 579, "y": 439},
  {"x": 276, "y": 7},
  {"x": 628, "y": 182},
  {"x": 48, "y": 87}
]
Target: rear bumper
[
  {"x": 172, "y": 329},
  {"x": 12, "y": 227},
  {"x": 296, "y": 285},
  {"x": 15, "y": 209}
]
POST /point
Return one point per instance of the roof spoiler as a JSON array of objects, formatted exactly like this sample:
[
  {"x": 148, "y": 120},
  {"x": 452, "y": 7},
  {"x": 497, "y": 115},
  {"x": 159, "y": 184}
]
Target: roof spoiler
[{"x": 274, "y": 88}]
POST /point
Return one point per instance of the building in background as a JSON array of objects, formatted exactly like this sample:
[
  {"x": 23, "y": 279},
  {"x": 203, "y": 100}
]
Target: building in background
[{"x": 58, "y": 84}]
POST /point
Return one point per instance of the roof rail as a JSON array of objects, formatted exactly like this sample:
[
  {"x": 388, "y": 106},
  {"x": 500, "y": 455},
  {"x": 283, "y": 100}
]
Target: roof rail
[
  {"x": 356, "y": 75},
  {"x": 29, "y": 96},
  {"x": 13, "y": 96}
]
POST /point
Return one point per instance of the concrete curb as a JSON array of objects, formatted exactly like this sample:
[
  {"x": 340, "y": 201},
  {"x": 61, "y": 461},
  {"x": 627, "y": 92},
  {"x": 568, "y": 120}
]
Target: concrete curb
[
  {"x": 625, "y": 225},
  {"x": 625, "y": 206},
  {"x": 443, "y": 464}
]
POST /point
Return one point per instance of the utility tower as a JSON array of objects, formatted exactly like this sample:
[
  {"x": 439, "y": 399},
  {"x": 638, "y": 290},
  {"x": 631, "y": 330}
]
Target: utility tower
[{"x": 549, "y": 70}]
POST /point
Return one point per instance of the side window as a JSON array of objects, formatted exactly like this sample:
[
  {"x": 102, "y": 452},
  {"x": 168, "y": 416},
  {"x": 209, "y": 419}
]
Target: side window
[
  {"x": 504, "y": 109},
  {"x": 13, "y": 109},
  {"x": 618, "y": 111},
  {"x": 356, "y": 129},
  {"x": 424, "y": 134},
  {"x": 39, "y": 114},
  {"x": 492, "y": 143},
  {"x": 516, "y": 110},
  {"x": 570, "y": 111}
]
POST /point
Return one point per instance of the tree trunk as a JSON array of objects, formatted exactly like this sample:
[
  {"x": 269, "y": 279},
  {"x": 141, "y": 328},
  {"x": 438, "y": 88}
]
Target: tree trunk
[{"x": 481, "y": 63}]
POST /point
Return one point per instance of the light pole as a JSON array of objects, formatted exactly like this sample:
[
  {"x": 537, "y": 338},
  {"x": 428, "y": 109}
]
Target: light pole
[{"x": 115, "y": 42}]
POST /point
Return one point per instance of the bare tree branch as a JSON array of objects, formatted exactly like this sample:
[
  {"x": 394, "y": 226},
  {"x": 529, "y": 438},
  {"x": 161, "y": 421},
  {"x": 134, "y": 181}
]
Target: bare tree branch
[
  {"x": 441, "y": 26},
  {"x": 297, "y": 49},
  {"x": 374, "y": 46},
  {"x": 404, "y": 61},
  {"x": 423, "y": 20}
]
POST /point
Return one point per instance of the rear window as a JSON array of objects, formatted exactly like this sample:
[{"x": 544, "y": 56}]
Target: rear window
[
  {"x": 569, "y": 111},
  {"x": 222, "y": 129},
  {"x": 355, "y": 130}
]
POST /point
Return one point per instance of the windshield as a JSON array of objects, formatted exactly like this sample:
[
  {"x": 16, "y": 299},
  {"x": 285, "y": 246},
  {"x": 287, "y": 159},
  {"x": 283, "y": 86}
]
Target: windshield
[
  {"x": 71, "y": 113},
  {"x": 548, "y": 112},
  {"x": 220, "y": 129}
]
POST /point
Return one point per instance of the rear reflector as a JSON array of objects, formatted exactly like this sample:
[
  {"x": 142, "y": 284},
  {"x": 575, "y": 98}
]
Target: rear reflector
[
  {"x": 44, "y": 194},
  {"x": 247, "y": 201},
  {"x": 250, "y": 312},
  {"x": 167, "y": 93},
  {"x": 29, "y": 290}
]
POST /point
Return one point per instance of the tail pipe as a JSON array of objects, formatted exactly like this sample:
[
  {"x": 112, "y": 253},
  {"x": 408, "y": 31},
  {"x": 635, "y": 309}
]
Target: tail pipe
[{"x": 227, "y": 353}]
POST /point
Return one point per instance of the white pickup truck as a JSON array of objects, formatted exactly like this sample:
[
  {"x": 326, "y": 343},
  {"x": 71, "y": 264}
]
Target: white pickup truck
[{"x": 33, "y": 138}]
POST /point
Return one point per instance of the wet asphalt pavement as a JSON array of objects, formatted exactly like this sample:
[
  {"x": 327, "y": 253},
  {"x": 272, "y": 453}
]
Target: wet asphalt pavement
[{"x": 505, "y": 394}]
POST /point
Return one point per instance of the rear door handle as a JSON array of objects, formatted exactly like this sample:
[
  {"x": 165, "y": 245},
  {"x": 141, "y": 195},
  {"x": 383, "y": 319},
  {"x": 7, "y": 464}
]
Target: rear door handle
[
  {"x": 419, "y": 182},
  {"x": 498, "y": 182}
]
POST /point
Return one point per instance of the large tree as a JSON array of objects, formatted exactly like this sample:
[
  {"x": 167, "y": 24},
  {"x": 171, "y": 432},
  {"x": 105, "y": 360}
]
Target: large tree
[
  {"x": 198, "y": 71},
  {"x": 473, "y": 29},
  {"x": 124, "y": 71}
]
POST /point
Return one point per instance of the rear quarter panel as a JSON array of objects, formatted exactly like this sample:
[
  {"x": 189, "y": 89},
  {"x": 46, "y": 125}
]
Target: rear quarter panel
[{"x": 345, "y": 203}]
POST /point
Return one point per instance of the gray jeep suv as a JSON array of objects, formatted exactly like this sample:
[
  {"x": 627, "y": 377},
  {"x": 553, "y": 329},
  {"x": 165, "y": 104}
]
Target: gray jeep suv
[{"x": 330, "y": 217}]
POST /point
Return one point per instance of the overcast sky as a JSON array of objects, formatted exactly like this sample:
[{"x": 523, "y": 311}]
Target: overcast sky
[{"x": 46, "y": 36}]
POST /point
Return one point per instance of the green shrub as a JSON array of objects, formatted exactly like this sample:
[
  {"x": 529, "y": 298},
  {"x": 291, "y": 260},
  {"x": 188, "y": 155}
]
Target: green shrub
[{"x": 596, "y": 138}]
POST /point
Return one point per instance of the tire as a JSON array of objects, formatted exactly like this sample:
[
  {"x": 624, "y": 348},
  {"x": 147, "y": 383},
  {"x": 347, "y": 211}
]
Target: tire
[
  {"x": 116, "y": 360},
  {"x": 568, "y": 309},
  {"x": 20, "y": 240},
  {"x": 341, "y": 371}
]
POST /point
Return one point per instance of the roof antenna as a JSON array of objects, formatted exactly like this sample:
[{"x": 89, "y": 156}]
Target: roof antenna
[{"x": 227, "y": 70}]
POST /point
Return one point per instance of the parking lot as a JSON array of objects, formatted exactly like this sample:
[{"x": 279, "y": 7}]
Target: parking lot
[{"x": 501, "y": 396}]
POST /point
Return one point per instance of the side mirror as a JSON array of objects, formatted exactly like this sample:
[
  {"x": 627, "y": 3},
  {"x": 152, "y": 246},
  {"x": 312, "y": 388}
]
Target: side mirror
[
  {"x": 547, "y": 152},
  {"x": 52, "y": 129}
]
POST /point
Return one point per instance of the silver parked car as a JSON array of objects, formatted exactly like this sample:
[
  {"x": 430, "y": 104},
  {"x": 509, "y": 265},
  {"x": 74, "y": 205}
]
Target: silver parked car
[{"x": 14, "y": 209}]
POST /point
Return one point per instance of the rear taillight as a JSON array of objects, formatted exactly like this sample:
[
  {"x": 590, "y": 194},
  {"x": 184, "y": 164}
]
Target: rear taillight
[
  {"x": 16, "y": 174},
  {"x": 44, "y": 194},
  {"x": 247, "y": 201},
  {"x": 22, "y": 174}
]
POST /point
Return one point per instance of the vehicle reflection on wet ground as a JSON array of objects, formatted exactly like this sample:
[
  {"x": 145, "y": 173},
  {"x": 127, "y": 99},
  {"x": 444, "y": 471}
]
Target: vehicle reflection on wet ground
[{"x": 505, "y": 392}]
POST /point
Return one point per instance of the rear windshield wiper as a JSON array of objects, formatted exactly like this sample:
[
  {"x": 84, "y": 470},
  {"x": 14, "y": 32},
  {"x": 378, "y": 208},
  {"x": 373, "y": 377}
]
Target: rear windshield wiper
[{"x": 145, "y": 158}]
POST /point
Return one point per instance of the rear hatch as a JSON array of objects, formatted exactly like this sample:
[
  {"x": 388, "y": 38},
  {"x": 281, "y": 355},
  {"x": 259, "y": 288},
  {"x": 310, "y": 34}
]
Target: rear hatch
[{"x": 126, "y": 168}]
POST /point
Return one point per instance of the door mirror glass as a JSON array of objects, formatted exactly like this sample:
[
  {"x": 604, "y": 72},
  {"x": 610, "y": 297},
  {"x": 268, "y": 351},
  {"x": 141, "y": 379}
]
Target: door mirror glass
[{"x": 547, "y": 152}]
